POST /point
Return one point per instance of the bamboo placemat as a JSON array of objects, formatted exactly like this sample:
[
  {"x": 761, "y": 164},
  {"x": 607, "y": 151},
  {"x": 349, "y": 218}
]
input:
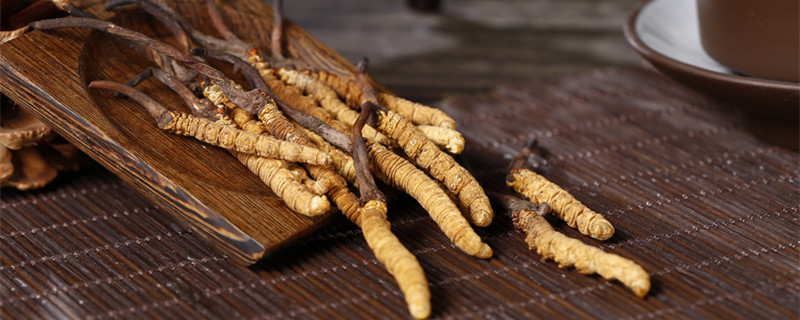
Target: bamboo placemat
[{"x": 710, "y": 212}]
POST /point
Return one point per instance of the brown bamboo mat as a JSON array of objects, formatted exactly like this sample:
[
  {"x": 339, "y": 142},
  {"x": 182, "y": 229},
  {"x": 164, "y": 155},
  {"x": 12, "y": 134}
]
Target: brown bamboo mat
[{"x": 708, "y": 210}]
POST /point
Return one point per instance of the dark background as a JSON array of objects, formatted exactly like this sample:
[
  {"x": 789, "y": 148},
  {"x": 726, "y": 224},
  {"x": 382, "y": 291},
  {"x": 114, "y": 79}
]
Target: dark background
[{"x": 470, "y": 45}]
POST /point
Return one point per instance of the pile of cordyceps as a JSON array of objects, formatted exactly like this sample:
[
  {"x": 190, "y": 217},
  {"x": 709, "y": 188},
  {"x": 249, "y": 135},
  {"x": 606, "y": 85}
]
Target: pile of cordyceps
[{"x": 315, "y": 138}]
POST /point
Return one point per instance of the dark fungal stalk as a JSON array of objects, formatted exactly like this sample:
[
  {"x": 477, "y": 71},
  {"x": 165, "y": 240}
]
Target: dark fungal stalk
[
  {"x": 172, "y": 25},
  {"x": 366, "y": 183},
  {"x": 522, "y": 156},
  {"x": 199, "y": 107},
  {"x": 153, "y": 107},
  {"x": 168, "y": 16},
  {"x": 112, "y": 29},
  {"x": 218, "y": 22},
  {"x": 276, "y": 38},
  {"x": 514, "y": 204}
]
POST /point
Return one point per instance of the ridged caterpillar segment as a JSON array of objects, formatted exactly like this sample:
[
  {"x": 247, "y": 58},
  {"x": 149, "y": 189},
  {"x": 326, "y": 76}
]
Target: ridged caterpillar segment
[
  {"x": 450, "y": 139},
  {"x": 284, "y": 183},
  {"x": 345, "y": 88},
  {"x": 240, "y": 141},
  {"x": 400, "y": 262},
  {"x": 402, "y": 174},
  {"x": 538, "y": 190},
  {"x": 569, "y": 252},
  {"x": 440, "y": 165},
  {"x": 417, "y": 113}
]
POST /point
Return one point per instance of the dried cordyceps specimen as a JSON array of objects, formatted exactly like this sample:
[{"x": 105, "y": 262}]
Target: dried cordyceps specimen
[
  {"x": 284, "y": 184},
  {"x": 569, "y": 252},
  {"x": 539, "y": 190},
  {"x": 345, "y": 88},
  {"x": 275, "y": 123},
  {"x": 329, "y": 100},
  {"x": 388, "y": 249},
  {"x": 289, "y": 185},
  {"x": 417, "y": 113},
  {"x": 449, "y": 139},
  {"x": 292, "y": 106},
  {"x": 288, "y": 181},
  {"x": 274, "y": 106}
]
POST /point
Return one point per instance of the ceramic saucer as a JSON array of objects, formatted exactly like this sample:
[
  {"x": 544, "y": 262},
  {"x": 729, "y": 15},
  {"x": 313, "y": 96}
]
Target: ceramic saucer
[{"x": 666, "y": 33}]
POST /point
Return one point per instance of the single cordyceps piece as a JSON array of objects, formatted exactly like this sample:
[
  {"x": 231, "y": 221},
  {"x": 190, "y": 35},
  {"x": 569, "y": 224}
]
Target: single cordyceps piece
[
  {"x": 428, "y": 156},
  {"x": 240, "y": 141},
  {"x": 569, "y": 252},
  {"x": 539, "y": 190},
  {"x": 400, "y": 262},
  {"x": 388, "y": 250}
]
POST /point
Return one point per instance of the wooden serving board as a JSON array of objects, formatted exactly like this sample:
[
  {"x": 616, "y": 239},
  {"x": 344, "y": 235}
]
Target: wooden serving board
[{"x": 202, "y": 187}]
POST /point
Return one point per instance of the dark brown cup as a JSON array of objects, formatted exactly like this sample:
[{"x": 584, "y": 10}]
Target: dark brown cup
[{"x": 756, "y": 38}]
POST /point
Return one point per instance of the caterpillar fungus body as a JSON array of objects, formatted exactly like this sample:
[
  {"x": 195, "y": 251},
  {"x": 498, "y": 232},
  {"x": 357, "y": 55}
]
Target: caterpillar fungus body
[{"x": 540, "y": 190}]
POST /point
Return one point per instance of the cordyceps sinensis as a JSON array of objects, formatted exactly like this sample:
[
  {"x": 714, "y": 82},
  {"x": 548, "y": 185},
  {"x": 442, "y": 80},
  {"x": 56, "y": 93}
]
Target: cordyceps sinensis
[
  {"x": 540, "y": 190},
  {"x": 437, "y": 126},
  {"x": 398, "y": 260},
  {"x": 568, "y": 252},
  {"x": 427, "y": 155}
]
